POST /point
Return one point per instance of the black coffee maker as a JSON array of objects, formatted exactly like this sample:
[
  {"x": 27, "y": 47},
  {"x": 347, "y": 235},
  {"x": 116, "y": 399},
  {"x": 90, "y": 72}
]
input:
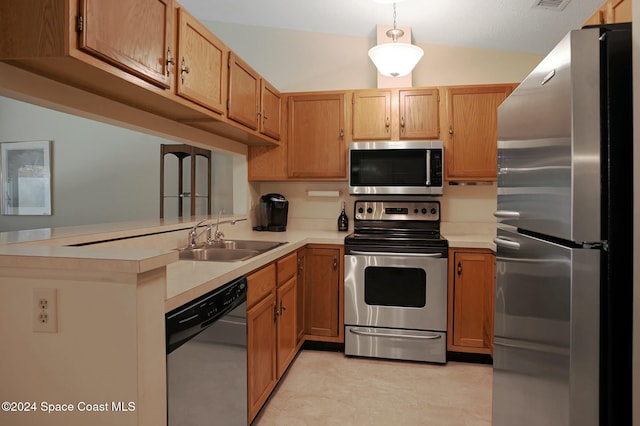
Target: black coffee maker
[{"x": 274, "y": 209}]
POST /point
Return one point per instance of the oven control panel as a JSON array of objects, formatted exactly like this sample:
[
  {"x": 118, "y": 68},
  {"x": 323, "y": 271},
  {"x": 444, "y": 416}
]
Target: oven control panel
[{"x": 397, "y": 210}]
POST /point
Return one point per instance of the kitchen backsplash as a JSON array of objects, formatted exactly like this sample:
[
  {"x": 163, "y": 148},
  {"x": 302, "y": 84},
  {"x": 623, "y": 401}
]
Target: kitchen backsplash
[{"x": 464, "y": 203}]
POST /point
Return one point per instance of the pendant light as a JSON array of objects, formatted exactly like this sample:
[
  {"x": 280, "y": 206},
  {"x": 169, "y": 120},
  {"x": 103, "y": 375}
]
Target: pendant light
[{"x": 395, "y": 59}]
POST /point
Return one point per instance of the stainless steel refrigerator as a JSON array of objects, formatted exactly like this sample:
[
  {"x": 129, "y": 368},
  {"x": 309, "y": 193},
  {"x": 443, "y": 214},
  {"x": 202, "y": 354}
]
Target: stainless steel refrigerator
[{"x": 564, "y": 265}]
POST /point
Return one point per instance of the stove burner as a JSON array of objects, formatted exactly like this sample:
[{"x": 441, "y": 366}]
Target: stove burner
[{"x": 396, "y": 227}]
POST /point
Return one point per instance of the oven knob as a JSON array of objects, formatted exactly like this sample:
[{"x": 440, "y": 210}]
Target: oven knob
[
  {"x": 415, "y": 211},
  {"x": 433, "y": 210},
  {"x": 369, "y": 210},
  {"x": 360, "y": 210},
  {"x": 424, "y": 211}
]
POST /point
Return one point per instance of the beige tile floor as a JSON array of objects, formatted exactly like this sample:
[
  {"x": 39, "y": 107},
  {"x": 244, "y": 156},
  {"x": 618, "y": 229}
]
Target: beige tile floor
[{"x": 327, "y": 388}]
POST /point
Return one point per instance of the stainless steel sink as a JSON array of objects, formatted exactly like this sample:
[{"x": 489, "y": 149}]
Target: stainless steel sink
[{"x": 228, "y": 250}]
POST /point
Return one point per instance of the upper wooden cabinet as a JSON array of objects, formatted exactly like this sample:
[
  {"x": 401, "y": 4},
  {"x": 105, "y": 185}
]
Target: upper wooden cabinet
[
  {"x": 621, "y": 11},
  {"x": 472, "y": 126},
  {"x": 611, "y": 12},
  {"x": 418, "y": 114},
  {"x": 150, "y": 55},
  {"x": 200, "y": 64},
  {"x": 135, "y": 36},
  {"x": 316, "y": 138},
  {"x": 271, "y": 110},
  {"x": 395, "y": 114},
  {"x": 244, "y": 93},
  {"x": 371, "y": 115},
  {"x": 253, "y": 102}
]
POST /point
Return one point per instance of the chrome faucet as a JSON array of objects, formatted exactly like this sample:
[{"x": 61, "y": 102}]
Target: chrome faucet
[
  {"x": 193, "y": 234},
  {"x": 213, "y": 237},
  {"x": 218, "y": 235}
]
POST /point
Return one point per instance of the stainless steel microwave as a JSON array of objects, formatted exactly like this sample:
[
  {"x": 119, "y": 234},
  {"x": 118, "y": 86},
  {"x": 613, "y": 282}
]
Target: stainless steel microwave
[{"x": 396, "y": 167}]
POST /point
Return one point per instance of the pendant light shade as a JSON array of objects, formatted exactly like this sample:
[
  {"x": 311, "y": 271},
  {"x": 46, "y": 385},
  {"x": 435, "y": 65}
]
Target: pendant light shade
[{"x": 395, "y": 59}]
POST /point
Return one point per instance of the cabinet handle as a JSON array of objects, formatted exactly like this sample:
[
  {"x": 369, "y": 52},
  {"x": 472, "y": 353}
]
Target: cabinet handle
[
  {"x": 282, "y": 308},
  {"x": 183, "y": 70},
  {"x": 276, "y": 312},
  {"x": 459, "y": 268},
  {"x": 341, "y": 133},
  {"x": 387, "y": 124},
  {"x": 450, "y": 130},
  {"x": 402, "y": 123},
  {"x": 335, "y": 263},
  {"x": 170, "y": 62}
]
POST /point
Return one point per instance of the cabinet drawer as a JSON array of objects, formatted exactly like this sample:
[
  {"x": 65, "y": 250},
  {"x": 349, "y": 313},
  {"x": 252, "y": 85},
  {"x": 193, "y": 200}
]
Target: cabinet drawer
[
  {"x": 287, "y": 268},
  {"x": 260, "y": 283}
]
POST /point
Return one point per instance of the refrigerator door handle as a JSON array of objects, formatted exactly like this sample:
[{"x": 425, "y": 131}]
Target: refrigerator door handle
[
  {"x": 506, "y": 243},
  {"x": 506, "y": 214}
]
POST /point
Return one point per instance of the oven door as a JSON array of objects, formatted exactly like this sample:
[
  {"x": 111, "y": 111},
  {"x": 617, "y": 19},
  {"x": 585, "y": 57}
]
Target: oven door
[{"x": 393, "y": 290}]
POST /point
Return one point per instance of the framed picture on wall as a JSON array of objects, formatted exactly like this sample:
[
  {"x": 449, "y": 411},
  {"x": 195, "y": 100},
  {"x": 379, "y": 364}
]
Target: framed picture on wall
[{"x": 26, "y": 178}]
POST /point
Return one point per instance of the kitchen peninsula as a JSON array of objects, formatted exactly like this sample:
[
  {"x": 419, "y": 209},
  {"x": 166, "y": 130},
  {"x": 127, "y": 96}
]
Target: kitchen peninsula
[{"x": 114, "y": 283}]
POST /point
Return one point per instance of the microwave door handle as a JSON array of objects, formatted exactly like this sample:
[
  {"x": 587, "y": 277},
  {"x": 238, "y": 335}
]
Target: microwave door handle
[
  {"x": 428, "y": 183},
  {"x": 384, "y": 253}
]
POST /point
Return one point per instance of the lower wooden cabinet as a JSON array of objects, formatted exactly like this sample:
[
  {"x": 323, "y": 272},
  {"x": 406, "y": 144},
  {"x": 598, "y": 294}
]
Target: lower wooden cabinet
[
  {"x": 261, "y": 338},
  {"x": 471, "y": 301},
  {"x": 298, "y": 297},
  {"x": 300, "y": 324},
  {"x": 324, "y": 293},
  {"x": 286, "y": 312},
  {"x": 272, "y": 331}
]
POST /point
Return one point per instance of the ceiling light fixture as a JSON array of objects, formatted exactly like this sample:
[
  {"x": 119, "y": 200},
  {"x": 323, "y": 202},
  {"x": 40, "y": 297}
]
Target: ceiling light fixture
[{"x": 395, "y": 59}]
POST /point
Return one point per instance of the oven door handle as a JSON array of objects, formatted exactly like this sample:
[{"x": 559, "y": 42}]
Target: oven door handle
[
  {"x": 384, "y": 253},
  {"x": 399, "y": 336}
]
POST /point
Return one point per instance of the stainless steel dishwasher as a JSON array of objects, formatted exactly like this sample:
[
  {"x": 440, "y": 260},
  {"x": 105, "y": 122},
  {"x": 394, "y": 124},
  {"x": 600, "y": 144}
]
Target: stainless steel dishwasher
[{"x": 207, "y": 359}]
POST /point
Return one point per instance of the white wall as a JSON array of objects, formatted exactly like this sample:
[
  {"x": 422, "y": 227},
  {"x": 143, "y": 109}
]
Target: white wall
[
  {"x": 100, "y": 173},
  {"x": 305, "y": 61}
]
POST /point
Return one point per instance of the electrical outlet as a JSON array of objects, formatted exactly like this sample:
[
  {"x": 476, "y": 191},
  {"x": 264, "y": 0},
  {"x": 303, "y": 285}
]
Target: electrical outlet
[{"x": 45, "y": 310}]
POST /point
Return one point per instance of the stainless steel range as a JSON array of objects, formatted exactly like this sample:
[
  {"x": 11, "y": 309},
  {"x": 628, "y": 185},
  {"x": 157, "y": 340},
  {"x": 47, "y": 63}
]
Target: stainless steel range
[{"x": 396, "y": 282}]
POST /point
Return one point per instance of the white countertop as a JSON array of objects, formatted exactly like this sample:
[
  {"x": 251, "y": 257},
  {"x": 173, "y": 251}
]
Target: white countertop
[{"x": 185, "y": 279}]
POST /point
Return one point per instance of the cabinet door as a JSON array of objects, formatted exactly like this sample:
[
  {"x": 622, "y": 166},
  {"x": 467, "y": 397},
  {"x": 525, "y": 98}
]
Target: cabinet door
[
  {"x": 200, "y": 64},
  {"x": 135, "y": 36},
  {"x": 244, "y": 93},
  {"x": 322, "y": 292},
  {"x": 371, "y": 115},
  {"x": 471, "y": 148},
  {"x": 621, "y": 11},
  {"x": 471, "y": 285},
  {"x": 598, "y": 17},
  {"x": 271, "y": 114},
  {"x": 419, "y": 114},
  {"x": 261, "y": 353},
  {"x": 316, "y": 142},
  {"x": 300, "y": 324},
  {"x": 286, "y": 325}
]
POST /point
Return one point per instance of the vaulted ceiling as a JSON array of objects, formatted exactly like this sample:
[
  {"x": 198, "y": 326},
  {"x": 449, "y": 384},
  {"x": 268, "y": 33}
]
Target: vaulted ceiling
[{"x": 512, "y": 25}]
